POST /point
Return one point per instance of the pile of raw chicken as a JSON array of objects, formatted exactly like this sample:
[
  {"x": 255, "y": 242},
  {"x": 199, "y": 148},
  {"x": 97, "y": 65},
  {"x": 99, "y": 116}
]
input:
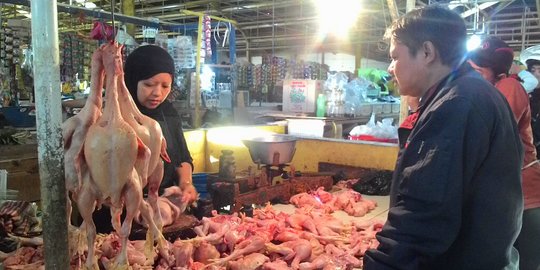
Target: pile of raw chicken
[
  {"x": 346, "y": 199},
  {"x": 308, "y": 239},
  {"x": 112, "y": 153}
]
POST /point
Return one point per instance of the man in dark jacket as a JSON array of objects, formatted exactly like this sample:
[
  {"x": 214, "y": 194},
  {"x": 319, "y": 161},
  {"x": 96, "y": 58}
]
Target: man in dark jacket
[{"x": 456, "y": 198}]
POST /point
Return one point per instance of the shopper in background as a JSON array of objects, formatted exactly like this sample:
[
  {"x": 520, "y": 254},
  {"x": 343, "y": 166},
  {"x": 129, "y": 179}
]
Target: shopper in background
[
  {"x": 533, "y": 66},
  {"x": 527, "y": 79},
  {"x": 493, "y": 60},
  {"x": 148, "y": 74},
  {"x": 456, "y": 200}
]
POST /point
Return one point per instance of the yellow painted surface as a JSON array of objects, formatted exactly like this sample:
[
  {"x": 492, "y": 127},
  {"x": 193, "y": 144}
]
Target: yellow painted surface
[
  {"x": 366, "y": 155},
  {"x": 196, "y": 141},
  {"x": 206, "y": 146}
]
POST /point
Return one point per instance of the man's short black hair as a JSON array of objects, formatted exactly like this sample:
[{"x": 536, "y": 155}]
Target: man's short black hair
[
  {"x": 437, "y": 24},
  {"x": 532, "y": 62}
]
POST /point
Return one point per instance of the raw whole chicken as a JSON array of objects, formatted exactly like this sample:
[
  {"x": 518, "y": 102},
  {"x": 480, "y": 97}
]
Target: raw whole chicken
[
  {"x": 149, "y": 131},
  {"x": 111, "y": 150},
  {"x": 252, "y": 261},
  {"x": 206, "y": 253},
  {"x": 75, "y": 128},
  {"x": 183, "y": 254},
  {"x": 169, "y": 205},
  {"x": 276, "y": 265}
]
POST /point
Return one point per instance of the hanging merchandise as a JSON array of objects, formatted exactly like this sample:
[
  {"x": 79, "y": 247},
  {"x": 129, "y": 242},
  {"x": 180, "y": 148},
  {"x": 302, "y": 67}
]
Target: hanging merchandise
[
  {"x": 218, "y": 38},
  {"x": 15, "y": 83},
  {"x": 150, "y": 32},
  {"x": 122, "y": 37},
  {"x": 27, "y": 61},
  {"x": 182, "y": 51},
  {"x": 162, "y": 41},
  {"x": 75, "y": 55},
  {"x": 207, "y": 28}
]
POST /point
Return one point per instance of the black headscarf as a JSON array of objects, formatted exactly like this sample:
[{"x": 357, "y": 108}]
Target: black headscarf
[{"x": 143, "y": 63}]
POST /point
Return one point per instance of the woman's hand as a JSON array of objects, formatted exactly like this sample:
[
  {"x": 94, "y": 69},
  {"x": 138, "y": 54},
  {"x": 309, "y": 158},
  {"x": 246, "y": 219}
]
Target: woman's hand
[{"x": 189, "y": 193}]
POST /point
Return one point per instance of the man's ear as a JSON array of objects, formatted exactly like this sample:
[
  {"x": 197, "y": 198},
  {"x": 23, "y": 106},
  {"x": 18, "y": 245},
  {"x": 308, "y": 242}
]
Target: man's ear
[{"x": 428, "y": 51}]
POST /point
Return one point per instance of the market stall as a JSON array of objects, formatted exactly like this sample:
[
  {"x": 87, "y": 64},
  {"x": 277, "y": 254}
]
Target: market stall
[{"x": 301, "y": 192}]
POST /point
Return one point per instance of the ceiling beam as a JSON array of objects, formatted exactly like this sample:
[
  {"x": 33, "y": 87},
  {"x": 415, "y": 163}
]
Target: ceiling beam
[
  {"x": 538, "y": 11},
  {"x": 478, "y": 8},
  {"x": 392, "y": 6}
]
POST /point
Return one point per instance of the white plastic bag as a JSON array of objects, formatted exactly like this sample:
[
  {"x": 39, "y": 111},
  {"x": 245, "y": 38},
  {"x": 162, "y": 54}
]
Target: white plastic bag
[{"x": 382, "y": 130}]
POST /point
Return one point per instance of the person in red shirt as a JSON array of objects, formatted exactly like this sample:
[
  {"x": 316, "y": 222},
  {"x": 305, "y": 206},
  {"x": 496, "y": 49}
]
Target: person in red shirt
[{"x": 493, "y": 60}]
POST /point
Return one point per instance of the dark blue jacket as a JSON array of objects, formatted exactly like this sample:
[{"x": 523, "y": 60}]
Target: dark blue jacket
[{"x": 456, "y": 200}]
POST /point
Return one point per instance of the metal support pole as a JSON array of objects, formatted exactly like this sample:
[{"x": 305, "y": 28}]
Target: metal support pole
[
  {"x": 49, "y": 118},
  {"x": 198, "y": 118},
  {"x": 94, "y": 13},
  {"x": 232, "y": 45},
  {"x": 197, "y": 114},
  {"x": 357, "y": 58}
]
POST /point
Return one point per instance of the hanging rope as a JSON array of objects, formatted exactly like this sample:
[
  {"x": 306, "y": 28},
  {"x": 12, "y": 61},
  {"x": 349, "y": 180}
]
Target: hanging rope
[{"x": 112, "y": 18}]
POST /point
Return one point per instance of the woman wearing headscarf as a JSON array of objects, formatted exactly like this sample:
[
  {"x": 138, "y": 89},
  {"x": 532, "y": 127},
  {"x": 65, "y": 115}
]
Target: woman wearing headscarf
[
  {"x": 149, "y": 75},
  {"x": 493, "y": 60}
]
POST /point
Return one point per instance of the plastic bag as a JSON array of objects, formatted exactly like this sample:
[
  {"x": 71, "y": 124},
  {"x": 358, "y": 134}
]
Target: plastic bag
[
  {"x": 122, "y": 37},
  {"x": 374, "y": 183},
  {"x": 375, "y": 131},
  {"x": 355, "y": 95},
  {"x": 102, "y": 31}
]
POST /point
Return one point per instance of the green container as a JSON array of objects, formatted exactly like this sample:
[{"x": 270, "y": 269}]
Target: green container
[{"x": 321, "y": 105}]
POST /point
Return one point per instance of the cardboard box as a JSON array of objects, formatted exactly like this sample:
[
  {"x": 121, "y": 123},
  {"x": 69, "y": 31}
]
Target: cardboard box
[{"x": 301, "y": 95}]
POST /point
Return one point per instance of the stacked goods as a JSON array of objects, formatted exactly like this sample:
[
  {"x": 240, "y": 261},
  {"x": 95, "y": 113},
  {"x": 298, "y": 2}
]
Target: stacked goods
[
  {"x": 9, "y": 46},
  {"x": 182, "y": 52},
  {"x": 245, "y": 75},
  {"x": 75, "y": 52},
  {"x": 14, "y": 40}
]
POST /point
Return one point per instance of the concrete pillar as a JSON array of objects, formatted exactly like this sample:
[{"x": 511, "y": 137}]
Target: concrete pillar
[
  {"x": 128, "y": 8},
  {"x": 49, "y": 133}
]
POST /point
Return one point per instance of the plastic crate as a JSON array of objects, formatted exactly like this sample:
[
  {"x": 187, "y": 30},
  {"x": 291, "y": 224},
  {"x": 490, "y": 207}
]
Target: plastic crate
[
  {"x": 20, "y": 116},
  {"x": 199, "y": 182}
]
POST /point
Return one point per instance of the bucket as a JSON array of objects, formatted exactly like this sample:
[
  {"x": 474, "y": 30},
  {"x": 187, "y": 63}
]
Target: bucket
[{"x": 199, "y": 182}]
